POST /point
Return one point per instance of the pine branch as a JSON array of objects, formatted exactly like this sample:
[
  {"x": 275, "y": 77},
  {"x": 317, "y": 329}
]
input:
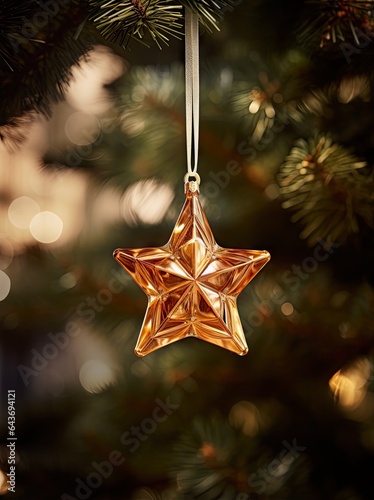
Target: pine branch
[
  {"x": 262, "y": 101},
  {"x": 207, "y": 454},
  {"x": 13, "y": 37},
  {"x": 210, "y": 11},
  {"x": 322, "y": 182},
  {"x": 38, "y": 53},
  {"x": 331, "y": 22},
  {"x": 13, "y": 133},
  {"x": 40, "y": 42},
  {"x": 121, "y": 21},
  {"x": 159, "y": 19},
  {"x": 153, "y": 118}
]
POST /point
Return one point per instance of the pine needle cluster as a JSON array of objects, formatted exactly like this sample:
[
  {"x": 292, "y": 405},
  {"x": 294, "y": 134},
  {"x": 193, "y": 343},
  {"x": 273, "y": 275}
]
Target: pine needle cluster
[{"x": 327, "y": 188}]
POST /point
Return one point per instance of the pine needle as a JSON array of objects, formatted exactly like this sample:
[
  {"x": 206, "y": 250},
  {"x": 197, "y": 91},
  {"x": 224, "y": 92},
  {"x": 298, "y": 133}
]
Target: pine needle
[{"x": 328, "y": 188}]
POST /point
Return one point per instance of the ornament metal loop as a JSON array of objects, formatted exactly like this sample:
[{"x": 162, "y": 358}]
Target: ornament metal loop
[{"x": 191, "y": 182}]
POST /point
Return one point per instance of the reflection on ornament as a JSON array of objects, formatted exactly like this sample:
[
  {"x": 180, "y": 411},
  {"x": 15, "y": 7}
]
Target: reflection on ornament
[{"x": 192, "y": 284}]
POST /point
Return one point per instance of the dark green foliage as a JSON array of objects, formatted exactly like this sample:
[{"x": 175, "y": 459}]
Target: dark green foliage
[
  {"x": 40, "y": 41},
  {"x": 12, "y": 39},
  {"x": 40, "y": 47},
  {"x": 323, "y": 183},
  {"x": 332, "y": 22},
  {"x": 308, "y": 317}
]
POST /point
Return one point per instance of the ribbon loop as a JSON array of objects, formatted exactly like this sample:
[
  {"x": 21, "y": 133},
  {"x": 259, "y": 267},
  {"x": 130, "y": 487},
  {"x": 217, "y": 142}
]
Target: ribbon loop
[{"x": 192, "y": 90}]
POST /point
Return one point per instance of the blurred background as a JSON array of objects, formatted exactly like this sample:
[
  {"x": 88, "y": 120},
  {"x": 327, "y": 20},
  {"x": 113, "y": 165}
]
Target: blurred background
[{"x": 286, "y": 161}]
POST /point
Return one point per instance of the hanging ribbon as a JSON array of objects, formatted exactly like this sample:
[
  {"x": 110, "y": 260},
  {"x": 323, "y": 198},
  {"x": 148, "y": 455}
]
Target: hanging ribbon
[{"x": 192, "y": 93}]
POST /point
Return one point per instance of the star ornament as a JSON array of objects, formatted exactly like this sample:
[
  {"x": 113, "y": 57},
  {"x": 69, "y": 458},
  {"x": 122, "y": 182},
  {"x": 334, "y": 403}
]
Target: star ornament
[{"x": 192, "y": 284}]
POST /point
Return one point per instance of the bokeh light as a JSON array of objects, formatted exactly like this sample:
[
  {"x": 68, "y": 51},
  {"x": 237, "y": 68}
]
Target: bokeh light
[
  {"x": 3, "y": 483},
  {"x": 88, "y": 89},
  {"x": 64, "y": 192},
  {"x": 95, "y": 375},
  {"x": 32, "y": 189},
  {"x": 272, "y": 191},
  {"x": 245, "y": 416},
  {"x": 46, "y": 227},
  {"x": 349, "y": 385},
  {"x": 22, "y": 210},
  {"x": 6, "y": 252},
  {"x": 106, "y": 209},
  {"x": 146, "y": 202},
  {"x": 68, "y": 280},
  {"x": 82, "y": 128},
  {"x": 354, "y": 87},
  {"x": 4, "y": 285},
  {"x": 287, "y": 309}
]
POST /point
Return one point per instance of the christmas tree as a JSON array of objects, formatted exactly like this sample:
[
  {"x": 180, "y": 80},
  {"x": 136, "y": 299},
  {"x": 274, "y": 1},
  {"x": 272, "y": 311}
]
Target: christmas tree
[{"x": 92, "y": 128}]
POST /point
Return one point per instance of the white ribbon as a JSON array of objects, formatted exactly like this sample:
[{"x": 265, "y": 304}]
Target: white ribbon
[{"x": 192, "y": 92}]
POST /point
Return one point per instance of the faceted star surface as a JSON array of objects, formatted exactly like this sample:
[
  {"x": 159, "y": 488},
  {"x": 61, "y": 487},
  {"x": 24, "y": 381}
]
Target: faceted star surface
[{"x": 192, "y": 284}]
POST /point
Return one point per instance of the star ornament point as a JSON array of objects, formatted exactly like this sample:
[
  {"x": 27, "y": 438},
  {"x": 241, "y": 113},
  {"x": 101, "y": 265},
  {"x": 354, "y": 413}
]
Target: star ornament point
[{"x": 192, "y": 284}]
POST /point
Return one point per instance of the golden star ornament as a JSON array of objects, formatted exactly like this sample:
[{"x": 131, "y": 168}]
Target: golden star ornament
[{"x": 191, "y": 283}]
